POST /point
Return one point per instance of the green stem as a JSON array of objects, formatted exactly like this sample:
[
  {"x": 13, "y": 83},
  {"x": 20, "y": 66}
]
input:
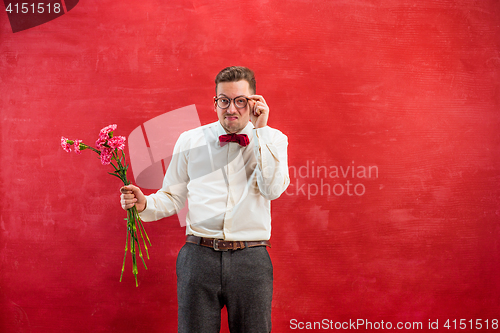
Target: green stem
[
  {"x": 91, "y": 148},
  {"x": 136, "y": 234},
  {"x": 125, "y": 255},
  {"x": 141, "y": 225},
  {"x": 144, "y": 241},
  {"x": 133, "y": 251}
]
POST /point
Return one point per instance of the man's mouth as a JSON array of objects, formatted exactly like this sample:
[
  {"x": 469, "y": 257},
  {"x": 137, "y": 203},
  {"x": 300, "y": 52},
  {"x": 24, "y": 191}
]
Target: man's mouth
[{"x": 231, "y": 118}]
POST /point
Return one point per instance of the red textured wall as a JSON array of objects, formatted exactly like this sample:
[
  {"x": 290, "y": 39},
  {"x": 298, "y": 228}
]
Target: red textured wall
[{"x": 405, "y": 92}]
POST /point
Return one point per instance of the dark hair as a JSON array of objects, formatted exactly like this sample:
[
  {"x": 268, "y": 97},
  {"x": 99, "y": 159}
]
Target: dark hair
[{"x": 234, "y": 74}]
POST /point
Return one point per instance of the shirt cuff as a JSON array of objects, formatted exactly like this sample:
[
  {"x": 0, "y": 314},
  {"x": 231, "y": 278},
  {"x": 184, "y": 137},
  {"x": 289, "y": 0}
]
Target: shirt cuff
[
  {"x": 148, "y": 214},
  {"x": 263, "y": 134}
]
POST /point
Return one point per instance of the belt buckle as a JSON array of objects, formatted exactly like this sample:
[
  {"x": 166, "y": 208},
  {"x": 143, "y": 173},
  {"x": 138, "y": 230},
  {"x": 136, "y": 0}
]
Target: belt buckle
[{"x": 216, "y": 245}]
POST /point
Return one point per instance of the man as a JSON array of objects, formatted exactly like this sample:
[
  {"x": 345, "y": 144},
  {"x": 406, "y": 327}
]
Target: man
[{"x": 228, "y": 171}]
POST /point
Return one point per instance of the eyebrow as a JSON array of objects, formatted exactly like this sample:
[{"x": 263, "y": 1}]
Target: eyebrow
[{"x": 233, "y": 98}]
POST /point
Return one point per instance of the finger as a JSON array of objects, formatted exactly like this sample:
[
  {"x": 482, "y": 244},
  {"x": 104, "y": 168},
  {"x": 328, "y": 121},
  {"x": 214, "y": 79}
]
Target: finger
[
  {"x": 125, "y": 189},
  {"x": 128, "y": 203},
  {"x": 254, "y": 107},
  {"x": 128, "y": 206},
  {"x": 256, "y": 111},
  {"x": 257, "y": 98},
  {"x": 261, "y": 105},
  {"x": 261, "y": 108},
  {"x": 253, "y": 103},
  {"x": 126, "y": 200}
]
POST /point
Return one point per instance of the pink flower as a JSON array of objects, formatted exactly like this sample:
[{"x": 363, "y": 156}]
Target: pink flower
[
  {"x": 106, "y": 154},
  {"x": 65, "y": 145},
  {"x": 100, "y": 143},
  {"x": 117, "y": 142},
  {"x": 104, "y": 133},
  {"x": 76, "y": 146},
  {"x": 104, "y": 136}
]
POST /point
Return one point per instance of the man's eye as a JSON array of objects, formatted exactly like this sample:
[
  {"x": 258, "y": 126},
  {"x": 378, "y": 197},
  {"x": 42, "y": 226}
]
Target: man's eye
[{"x": 224, "y": 100}]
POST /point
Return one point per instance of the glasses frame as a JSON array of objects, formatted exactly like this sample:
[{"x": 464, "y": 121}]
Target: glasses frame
[{"x": 231, "y": 100}]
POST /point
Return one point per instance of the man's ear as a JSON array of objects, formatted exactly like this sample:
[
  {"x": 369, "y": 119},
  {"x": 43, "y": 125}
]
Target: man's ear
[{"x": 215, "y": 104}]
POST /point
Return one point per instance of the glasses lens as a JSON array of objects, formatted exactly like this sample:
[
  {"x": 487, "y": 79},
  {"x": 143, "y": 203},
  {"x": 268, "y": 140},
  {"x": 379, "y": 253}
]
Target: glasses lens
[
  {"x": 223, "y": 103},
  {"x": 240, "y": 102}
]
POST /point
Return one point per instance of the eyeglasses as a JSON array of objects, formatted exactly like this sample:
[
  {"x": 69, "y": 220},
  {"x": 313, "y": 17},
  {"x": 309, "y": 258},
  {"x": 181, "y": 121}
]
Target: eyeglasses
[{"x": 224, "y": 102}]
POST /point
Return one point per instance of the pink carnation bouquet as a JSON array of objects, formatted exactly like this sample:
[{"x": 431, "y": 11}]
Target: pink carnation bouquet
[{"x": 110, "y": 149}]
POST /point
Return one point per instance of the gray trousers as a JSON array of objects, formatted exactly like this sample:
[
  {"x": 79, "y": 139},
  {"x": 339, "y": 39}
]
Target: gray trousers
[{"x": 242, "y": 280}]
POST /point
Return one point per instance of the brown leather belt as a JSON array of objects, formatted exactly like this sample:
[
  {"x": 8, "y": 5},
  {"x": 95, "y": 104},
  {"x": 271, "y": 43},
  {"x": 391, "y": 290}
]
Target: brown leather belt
[{"x": 222, "y": 245}]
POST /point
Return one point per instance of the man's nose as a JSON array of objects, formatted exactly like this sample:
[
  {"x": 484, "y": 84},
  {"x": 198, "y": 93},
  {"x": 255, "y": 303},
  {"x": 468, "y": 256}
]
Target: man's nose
[{"x": 232, "y": 107}]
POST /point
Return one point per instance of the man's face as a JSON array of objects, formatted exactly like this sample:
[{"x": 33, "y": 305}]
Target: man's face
[{"x": 233, "y": 119}]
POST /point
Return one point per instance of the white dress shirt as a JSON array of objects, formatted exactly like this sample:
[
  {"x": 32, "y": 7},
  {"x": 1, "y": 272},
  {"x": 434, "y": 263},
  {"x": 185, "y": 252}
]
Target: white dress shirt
[{"x": 228, "y": 188}]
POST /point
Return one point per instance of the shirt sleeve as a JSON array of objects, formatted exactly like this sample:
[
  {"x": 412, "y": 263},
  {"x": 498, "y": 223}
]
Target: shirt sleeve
[
  {"x": 272, "y": 162},
  {"x": 171, "y": 198}
]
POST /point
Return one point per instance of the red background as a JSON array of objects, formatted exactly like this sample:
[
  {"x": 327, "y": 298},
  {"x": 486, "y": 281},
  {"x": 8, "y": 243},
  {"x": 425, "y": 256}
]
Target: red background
[{"x": 411, "y": 87}]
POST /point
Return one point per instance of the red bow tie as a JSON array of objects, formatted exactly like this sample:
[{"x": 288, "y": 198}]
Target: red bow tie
[{"x": 242, "y": 139}]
